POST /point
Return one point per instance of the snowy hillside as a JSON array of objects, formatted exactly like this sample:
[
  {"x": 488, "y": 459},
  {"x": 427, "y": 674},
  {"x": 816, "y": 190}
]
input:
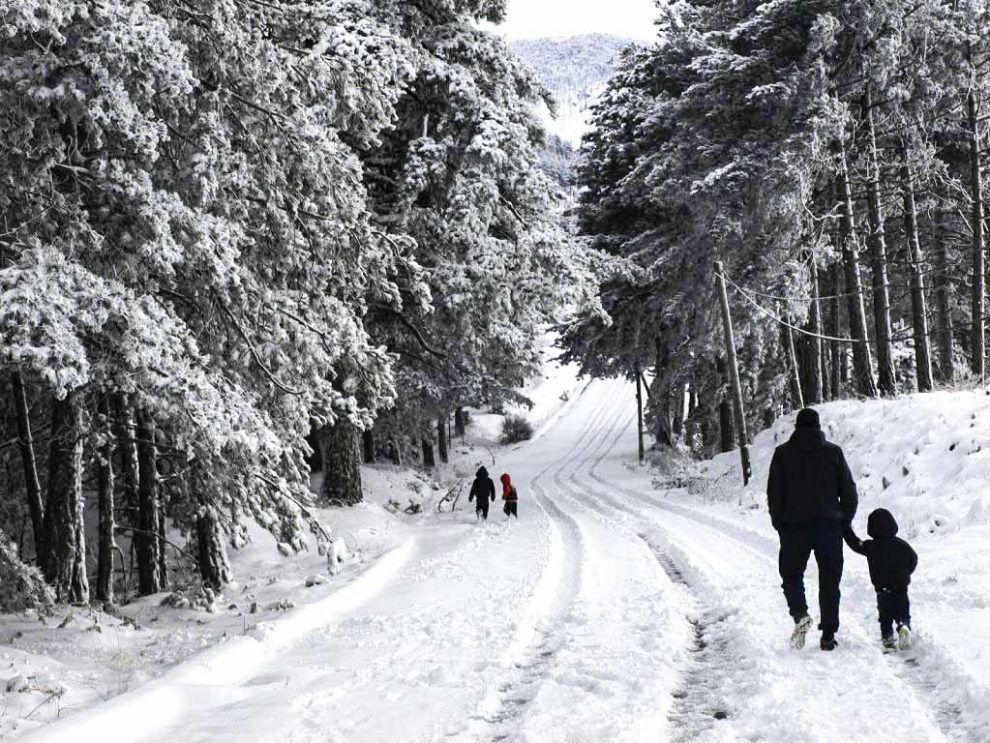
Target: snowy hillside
[{"x": 575, "y": 71}]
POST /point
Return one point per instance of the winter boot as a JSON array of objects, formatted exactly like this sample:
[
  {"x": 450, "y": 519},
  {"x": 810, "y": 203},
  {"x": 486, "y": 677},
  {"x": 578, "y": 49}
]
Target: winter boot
[
  {"x": 903, "y": 637},
  {"x": 889, "y": 642},
  {"x": 828, "y": 641},
  {"x": 801, "y": 626}
]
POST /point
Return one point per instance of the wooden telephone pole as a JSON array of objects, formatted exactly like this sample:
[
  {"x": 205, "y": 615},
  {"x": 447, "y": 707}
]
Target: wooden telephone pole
[
  {"x": 730, "y": 351},
  {"x": 639, "y": 412}
]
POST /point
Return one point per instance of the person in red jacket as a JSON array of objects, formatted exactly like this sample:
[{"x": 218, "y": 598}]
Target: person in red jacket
[{"x": 510, "y": 496}]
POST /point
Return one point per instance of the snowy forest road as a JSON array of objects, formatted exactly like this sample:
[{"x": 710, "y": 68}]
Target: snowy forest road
[{"x": 607, "y": 612}]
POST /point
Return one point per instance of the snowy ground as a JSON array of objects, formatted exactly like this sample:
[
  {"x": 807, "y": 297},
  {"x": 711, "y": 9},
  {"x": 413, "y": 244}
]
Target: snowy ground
[{"x": 611, "y": 611}]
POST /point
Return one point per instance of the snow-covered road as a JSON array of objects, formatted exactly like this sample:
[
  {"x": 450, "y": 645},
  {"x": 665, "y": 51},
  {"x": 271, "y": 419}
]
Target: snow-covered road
[{"x": 608, "y": 612}]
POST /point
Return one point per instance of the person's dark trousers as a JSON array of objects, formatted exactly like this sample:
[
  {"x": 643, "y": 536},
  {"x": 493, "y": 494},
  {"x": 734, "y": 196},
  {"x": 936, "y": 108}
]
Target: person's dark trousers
[
  {"x": 797, "y": 542},
  {"x": 510, "y": 508},
  {"x": 894, "y": 607},
  {"x": 482, "y": 511}
]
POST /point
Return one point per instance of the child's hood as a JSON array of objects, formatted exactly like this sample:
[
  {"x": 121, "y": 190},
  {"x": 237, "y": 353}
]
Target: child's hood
[{"x": 881, "y": 524}]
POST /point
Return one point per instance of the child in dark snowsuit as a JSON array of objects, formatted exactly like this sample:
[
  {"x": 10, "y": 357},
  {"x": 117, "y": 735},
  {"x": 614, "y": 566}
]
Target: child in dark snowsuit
[
  {"x": 510, "y": 496},
  {"x": 891, "y": 561},
  {"x": 482, "y": 492}
]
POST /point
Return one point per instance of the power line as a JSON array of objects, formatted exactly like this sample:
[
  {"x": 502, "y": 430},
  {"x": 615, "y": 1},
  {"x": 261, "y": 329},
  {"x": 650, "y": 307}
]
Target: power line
[
  {"x": 780, "y": 320},
  {"x": 864, "y": 291}
]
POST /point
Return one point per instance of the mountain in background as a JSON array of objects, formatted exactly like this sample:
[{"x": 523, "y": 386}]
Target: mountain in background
[{"x": 575, "y": 71}]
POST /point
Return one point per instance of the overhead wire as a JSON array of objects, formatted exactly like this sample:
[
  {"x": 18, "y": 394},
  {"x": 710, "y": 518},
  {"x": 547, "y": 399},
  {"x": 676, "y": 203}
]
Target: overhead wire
[{"x": 745, "y": 295}]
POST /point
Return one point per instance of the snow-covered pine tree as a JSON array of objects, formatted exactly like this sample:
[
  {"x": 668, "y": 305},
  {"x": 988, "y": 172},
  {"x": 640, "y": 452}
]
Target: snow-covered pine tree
[
  {"x": 185, "y": 225},
  {"x": 458, "y": 174}
]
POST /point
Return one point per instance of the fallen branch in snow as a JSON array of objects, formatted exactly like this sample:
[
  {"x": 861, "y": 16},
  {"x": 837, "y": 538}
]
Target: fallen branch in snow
[{"x": 451, "y": 496}]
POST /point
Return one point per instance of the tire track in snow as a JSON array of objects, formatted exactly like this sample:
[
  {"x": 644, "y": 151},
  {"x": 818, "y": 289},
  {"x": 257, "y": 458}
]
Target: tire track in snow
[
  {"x": 541, "y": 635},
  {"x": 699, "y": 702},
  {"x": 699, "y": 699}
]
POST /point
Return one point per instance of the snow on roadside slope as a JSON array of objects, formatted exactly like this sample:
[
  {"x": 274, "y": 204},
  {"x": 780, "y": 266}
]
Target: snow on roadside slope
[
  {"x": 83, "y": 656},
  {"x": 185, "y": 688}
]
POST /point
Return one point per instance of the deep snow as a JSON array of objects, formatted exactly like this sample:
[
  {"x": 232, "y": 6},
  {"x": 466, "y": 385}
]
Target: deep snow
[{"x": 613, "y": 609}]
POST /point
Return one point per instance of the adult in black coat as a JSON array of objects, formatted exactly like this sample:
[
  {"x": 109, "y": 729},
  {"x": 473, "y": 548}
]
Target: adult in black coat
[
  {"x": 891, "y": 562},
  {"x": 482, "y": 492},
  {"x": 810, "y": 495}
]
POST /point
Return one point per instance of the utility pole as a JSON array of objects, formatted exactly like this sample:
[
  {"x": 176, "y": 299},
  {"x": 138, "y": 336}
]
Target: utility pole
[
  {"x": 730, "y": 351},
  {"x": 797, "y": 397},
  {"x": 639, "y": 412}
]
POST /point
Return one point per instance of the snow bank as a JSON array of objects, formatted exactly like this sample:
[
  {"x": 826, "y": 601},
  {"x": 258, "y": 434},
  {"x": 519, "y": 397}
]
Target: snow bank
[
  {"x": 187, "y": 688},
  {"x": 926, "y": 458}
]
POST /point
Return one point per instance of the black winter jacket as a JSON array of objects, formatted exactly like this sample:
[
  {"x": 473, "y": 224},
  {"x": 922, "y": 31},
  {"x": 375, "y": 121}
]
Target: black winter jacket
[
  {"x": 483, "y": 488},
  {"x": 891, "y": 559},
  {"x": 810, "y": 482}
]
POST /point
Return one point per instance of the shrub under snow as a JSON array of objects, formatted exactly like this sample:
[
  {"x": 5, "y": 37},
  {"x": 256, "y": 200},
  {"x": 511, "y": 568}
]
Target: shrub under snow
[
  {"x": 515, "y": 428},
  {"x": 21, "y": 586}
]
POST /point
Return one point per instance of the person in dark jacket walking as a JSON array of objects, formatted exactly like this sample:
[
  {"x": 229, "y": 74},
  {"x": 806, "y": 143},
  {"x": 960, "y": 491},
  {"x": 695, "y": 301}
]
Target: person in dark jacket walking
[
  {"x": 810, "y": 495},
  {"x": 891, "y": 562},
  {"x": 482, "y": 492},
  {"x": 510, "y": 496}
]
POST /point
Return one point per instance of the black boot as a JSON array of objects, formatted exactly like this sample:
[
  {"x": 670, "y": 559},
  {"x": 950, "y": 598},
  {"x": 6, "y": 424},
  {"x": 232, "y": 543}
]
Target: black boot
[{"x": 828, "y": 641}]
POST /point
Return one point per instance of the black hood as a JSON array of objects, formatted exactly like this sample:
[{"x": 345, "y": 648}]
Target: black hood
[
  {"x": 807, "y": 439},
  {"x": 881, "y": 524},
  {"x": 481, "y": 474}
]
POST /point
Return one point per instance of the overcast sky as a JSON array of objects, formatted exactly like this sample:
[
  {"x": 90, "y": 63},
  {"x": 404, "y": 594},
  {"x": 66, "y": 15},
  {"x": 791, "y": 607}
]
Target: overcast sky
[{"x": 530, "y": 19}]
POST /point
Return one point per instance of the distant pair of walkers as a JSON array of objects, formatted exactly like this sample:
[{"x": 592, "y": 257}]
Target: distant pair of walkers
[
  {"x": 812, "y": 500},
  {"x": 483, "y": 493}
]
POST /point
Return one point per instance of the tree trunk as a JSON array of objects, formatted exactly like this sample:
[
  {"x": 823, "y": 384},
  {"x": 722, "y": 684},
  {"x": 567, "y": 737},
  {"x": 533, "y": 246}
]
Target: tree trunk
[
  {"x": 794, "y": 377},
  {"x": 105, "y": 491},
  {"x": 368, "y": 445},
  {"x": 163, "y": 581},
  {"x": 341, "y": 465},
  {"x": 65, "y": 533},
  {"x": 862, "y": 359},
  {"x": 726, "y": 435},
  {"x": 816, "y": 385},
  {"x": 680, "y": 399},
  {"x": 639, "y": 415},
  {"x": 126, "y": 432},
  {"x": 690, "y": 423},
  {"x": 659, "y": 401},
  {"x": 978, "y": 334},
  {"x": 146, "y": 534},
  {"x": 459, "y": 422},
  {"x": 946, "y": 370},
  {"x": 919, "y": 306},
  {"x": 393, "y": 451},
  {"x": 442, "y": 438},
  {"x": 214, "y": 569},
  {"x": 887, "y": 382},
  {"x": 30, "y": 463},
  {"x": 429, "y": 461},
  {"x": 835, "y": 330}
]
